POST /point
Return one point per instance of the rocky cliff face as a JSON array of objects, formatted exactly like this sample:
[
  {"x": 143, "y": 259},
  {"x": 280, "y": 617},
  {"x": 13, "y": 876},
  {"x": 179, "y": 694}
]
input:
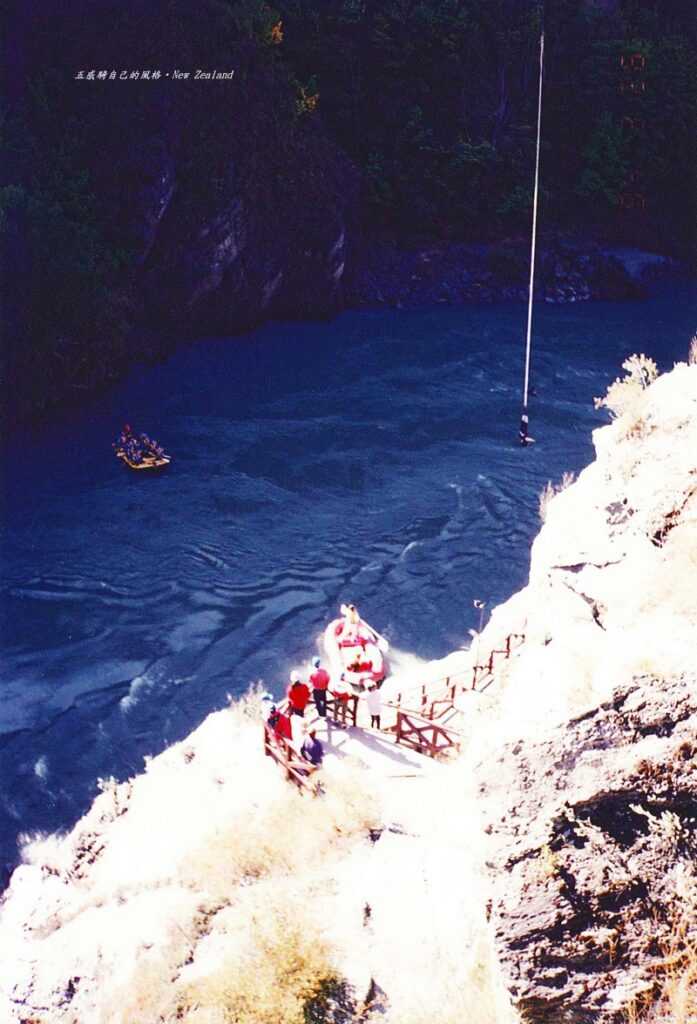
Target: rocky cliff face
[
  {"x": 547, "y": 875},
  {"x": 264, "y": 233},
  {"x": 594, "y": 822},
  {"x": 230, "y": 220},
  {"x": 456, "y": 273},
  {"x": 182, "y": 206},
  {"x": 598, "y": 849}
]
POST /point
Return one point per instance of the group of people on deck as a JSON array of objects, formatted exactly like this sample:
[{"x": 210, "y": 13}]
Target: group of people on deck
[
  {"x": 299, "y": 696},
  {"x": 290, "y": 726}
]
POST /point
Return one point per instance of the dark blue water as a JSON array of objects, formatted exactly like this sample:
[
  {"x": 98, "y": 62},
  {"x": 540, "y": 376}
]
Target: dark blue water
[{"x": 370, "y": 459}]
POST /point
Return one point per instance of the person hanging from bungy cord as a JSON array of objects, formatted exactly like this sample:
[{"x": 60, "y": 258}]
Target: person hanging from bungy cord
[
  {"x": 298, "y": 699},
  {"x": 320, "y": 682}
]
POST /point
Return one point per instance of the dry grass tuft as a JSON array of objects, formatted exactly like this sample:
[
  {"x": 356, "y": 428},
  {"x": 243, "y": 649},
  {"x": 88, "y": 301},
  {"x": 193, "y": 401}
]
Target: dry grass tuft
[
  {"x": 547, "y": 865},
  {"x": 271, "y": 978},
  {"x": 250, "y": 707},
  {"x": 692, "y": 352},
  {"x": 624, "y": 394},
  {"x": 550, "y": 490},
  {"x": 285, "y": 832},
  {"x": 255, "y": 944},
  {"x": 252, "y": 951},
  {"x": 673, "y": 1000},
  {"x": 677, "y": 1002},
  {"x": 268, "y": 963}
]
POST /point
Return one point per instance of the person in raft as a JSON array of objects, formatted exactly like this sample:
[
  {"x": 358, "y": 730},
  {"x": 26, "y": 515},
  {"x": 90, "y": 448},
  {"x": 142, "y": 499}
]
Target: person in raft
[
  {"x": 312, "y": 749},
  {"x": 374, "y": 706},
  {"x": 298, "y": 695},
  {"x": 125, "y": 436},
  {"x": 320, "y": 682},
  {"x": 349, "y": 631},
  {"x": 150, "y": 447}
]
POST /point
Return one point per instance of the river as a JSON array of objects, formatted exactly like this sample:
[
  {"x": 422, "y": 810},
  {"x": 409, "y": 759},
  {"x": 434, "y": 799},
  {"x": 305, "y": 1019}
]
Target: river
[{"x": 372, "y": 459}]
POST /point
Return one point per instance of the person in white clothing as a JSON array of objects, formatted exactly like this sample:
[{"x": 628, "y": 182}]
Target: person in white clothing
[{"x": 374, "y": 700}]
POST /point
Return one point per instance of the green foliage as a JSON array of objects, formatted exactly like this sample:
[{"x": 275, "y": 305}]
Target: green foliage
[
  {"x": 606, "y": 162},
  {"x": 380, "y": 191},
  {"x": 68, "y": 273},
  {"x": 509, "y": 262},
  {"x": 516, "y": 203},
  {"x": 434, "y": 101},
  {"x": 256, "y": 19}
]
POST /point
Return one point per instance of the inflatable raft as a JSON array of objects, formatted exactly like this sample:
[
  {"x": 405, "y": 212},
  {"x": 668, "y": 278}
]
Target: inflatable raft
[
  {"x": 147, "y": 462},
  {"x": 357, "y": 654}
]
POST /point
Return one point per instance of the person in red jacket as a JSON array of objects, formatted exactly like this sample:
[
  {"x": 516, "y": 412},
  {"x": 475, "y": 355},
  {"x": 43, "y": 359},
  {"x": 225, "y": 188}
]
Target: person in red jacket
[
  {"x": 298, "y": 695},
  {"x": 320, "y": 682},
  {"x": 280, "y": 723}
]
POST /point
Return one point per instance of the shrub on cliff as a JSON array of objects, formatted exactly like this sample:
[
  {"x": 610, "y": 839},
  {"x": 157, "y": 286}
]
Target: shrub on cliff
[
  {"x": 674, "y": 999},
  {"x": 623, "y": 394},
  {"x": 550, "y": 490},
  {"x": 280, "y": 971}
]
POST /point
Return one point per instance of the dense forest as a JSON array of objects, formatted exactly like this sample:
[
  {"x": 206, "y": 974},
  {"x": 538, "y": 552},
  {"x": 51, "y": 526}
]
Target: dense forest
[
  {"x": 132, "y": 201},
  {"x": 436, "y": 103}
]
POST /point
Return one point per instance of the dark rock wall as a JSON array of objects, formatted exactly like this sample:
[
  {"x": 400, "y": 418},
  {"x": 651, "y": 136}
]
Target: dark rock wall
[
  {"x": 212, "y": 205},
  {"x": 597, "y": 851}
]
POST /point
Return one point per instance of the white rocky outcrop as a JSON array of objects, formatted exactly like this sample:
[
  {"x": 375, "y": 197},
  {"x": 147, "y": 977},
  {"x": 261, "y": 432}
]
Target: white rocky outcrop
[
  {"x": 206, "y": 883},
  {"x": 612, "y": 588}
]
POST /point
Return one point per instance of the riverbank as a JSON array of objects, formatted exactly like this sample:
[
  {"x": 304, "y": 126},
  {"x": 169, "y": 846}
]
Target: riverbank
[
  {"x": 547, "y": 872},
  {"x": 349, "y": 276},
  {"x": 456, "y": 274}
]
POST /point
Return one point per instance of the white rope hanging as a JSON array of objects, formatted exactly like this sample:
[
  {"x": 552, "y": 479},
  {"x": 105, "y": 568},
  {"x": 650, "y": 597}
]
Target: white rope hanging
[{"x": 523, "y": 432}]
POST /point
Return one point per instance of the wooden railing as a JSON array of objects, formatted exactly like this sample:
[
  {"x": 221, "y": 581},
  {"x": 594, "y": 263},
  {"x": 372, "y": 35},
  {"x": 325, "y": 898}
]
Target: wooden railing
[
  {"x": 435, "y": 699},
  {"x": 296, "y": 768},
  {"x": 487, "y": 669},
  {"x": 345, "y": 712},
  {"x": 443, "y": 690},
  {"x": 417, "y": 727},
  {"x": 424, "y": 735}
]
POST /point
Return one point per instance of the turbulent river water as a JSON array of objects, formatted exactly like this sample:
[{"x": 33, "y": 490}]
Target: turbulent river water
[{"x": 370, "y": 459}]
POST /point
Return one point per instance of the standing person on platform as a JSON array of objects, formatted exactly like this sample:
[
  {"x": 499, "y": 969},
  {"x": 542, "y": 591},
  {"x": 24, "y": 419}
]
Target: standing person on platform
[
  {"x": 320, "y": 681},
  {"x": 280, "y": 723},
  {"x": 298, "y": 695},
  {"x": 298, "y": 699},
  {"x": 312, "y": 749},
  {"x": 374, "y": 706}
]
